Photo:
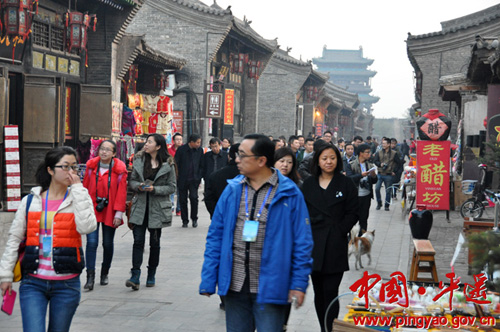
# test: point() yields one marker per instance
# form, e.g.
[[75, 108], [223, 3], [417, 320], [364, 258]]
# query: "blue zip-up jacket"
[[286, 255]]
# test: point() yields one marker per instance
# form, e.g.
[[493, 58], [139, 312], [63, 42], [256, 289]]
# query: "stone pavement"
[[174, 304]]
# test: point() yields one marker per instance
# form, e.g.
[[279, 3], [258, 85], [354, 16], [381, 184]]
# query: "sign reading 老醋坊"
[[433, 174]]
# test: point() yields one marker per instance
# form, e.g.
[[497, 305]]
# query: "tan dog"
[[361, 245]]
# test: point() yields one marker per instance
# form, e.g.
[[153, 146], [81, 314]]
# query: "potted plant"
[[484, 253], [491, 154]]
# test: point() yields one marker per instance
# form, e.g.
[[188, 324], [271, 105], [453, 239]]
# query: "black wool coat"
[[333, 213]]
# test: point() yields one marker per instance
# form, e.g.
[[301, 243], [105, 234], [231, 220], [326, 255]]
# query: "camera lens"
[[99, 207]]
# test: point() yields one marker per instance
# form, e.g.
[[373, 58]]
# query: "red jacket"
[[172, 150], [118, 188]]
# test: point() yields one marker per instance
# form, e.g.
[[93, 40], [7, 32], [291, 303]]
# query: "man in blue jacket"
[[258, 250]]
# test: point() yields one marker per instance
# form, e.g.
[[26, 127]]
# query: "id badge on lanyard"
[[251, 227], [47, 239]]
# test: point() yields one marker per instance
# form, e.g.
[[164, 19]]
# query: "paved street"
[[174, 304]]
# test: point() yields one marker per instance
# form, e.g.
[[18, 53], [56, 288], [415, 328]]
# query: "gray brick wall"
[[179, 35], [278, 88], [109, 23], [446, 54]]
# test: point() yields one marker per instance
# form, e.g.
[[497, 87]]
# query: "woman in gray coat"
[[153, 181]]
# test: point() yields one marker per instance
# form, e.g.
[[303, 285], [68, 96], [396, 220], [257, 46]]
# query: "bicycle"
[[482, 197]]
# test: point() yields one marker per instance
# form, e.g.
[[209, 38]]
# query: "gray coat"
[[160, 206]]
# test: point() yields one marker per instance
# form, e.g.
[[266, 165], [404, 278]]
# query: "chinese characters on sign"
[[395, 290], [229, 107], [178, 117], [433, 174], [213, 105]]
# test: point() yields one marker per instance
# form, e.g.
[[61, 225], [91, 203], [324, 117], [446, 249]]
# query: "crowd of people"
[[281, 211]]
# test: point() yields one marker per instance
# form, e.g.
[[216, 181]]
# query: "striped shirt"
[[247, 255], [45, 268]]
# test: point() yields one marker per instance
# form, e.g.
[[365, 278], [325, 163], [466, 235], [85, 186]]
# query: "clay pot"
[[420, 223], [434, 126]]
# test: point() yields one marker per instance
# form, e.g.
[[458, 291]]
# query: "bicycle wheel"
[[471, 209]]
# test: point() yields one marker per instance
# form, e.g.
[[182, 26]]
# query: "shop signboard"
[[494, 128], [433, 174], [178, 117], [213, 105], [229, 107]]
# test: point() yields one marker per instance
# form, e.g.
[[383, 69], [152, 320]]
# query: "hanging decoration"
[[76, 25], [312, 93], [16, 19], [254, 68]]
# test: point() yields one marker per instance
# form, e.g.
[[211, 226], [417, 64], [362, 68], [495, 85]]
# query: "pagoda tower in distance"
[[349, 69]]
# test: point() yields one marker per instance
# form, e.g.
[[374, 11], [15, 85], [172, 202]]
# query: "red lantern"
[[76, 29], [17, 16], [240, 62]]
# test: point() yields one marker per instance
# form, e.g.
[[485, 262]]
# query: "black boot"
[[150, 281], [134, 280], [104, 276], [90, 280]]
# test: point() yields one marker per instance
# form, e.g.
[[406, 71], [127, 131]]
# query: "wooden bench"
[[423, 261]]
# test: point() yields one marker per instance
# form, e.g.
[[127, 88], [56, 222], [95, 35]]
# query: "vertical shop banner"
[[319, 129], [229, 107], [67, 127], [12, 168], [433, 174], [178, 117], [117, 109]]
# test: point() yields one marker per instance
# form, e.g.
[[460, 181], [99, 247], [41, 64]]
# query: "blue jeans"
[[108, 235], [177, 205], [244, 314], [387, 180], [36, 294]]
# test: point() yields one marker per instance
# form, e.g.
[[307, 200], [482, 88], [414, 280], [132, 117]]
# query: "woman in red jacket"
[[109, 195]]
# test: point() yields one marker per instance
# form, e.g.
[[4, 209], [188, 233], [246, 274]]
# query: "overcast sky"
[[380, 27]]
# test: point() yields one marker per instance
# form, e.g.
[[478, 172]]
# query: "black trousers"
[[364, 211], [139, 232], [189, 189], [326, 288]]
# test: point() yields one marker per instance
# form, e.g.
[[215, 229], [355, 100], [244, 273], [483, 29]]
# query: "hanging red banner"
[[229, 107], [433, 174], [67, 127]]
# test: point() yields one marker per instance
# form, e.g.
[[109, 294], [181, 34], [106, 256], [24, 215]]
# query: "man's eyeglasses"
[[241, 156], [105, 149], [75, 168]]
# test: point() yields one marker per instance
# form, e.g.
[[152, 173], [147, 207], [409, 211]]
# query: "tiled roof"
[[462, 23], [131, 15], [131, 46], [200, 6], [341, 94], [245, 29], [343, 56], [284, 56]]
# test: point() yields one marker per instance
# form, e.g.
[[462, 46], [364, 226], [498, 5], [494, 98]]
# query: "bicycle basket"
[[468, 186]]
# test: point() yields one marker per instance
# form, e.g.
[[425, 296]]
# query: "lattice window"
[[41, 34], [57, 39]]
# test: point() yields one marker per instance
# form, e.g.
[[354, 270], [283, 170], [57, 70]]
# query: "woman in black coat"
[[332, 201]]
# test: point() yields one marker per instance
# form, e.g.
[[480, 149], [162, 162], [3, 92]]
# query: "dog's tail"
[[354, 232]]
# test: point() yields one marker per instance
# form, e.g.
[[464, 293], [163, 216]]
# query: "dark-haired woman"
[[286, 163], [59, 211], [106, 180], [332, 201], [153, 179]]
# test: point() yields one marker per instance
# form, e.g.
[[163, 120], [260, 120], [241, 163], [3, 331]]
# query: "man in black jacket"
[[213, 160], [217, 181], [364, 179], [188, 160]]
